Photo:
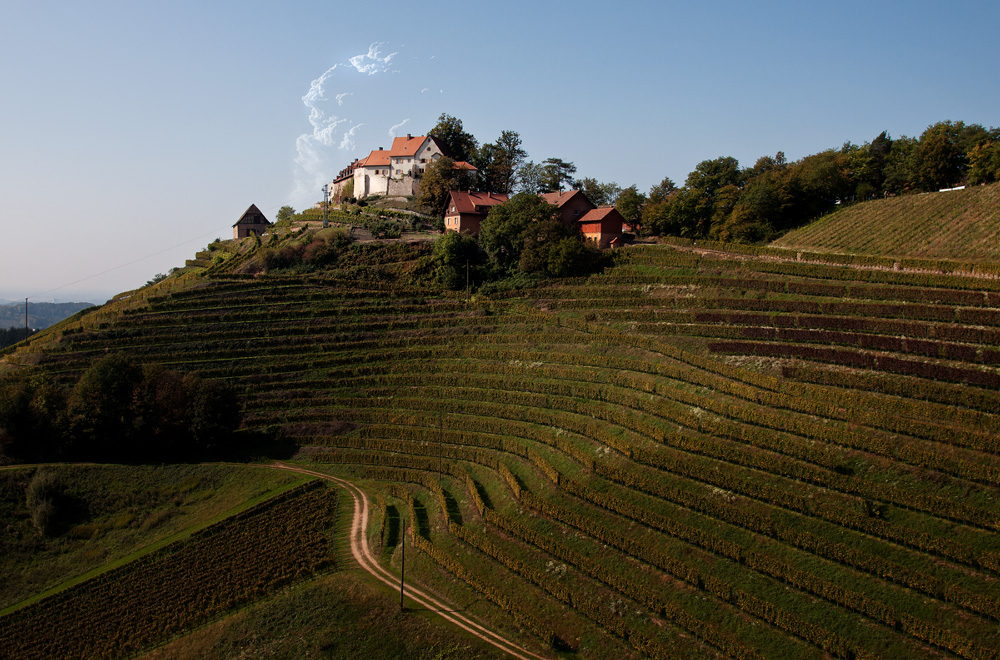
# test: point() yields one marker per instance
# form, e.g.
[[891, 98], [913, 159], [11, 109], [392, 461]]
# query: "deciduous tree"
[[629, 204], [600, 194], [439, 178], [456, 142], [503, 232]]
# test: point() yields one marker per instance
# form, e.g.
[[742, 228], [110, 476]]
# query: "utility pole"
[[326, 204], [402, 563]]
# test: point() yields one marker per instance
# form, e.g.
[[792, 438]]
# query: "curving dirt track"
[[363, 555]]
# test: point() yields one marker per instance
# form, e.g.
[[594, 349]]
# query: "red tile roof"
[[462, 165], [377, 158], [406, 146], [467, 202], [561, 197], [600, 213]]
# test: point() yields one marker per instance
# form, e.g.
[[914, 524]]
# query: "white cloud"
[[425, 90], [314, 162], [347, 144], [392, 131], [372, 62]]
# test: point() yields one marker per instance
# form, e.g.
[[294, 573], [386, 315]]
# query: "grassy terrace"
[[713, 454]]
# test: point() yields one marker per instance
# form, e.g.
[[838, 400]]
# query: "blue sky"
[[134, 133]]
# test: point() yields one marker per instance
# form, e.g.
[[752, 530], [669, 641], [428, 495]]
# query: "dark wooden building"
[[251, 222]]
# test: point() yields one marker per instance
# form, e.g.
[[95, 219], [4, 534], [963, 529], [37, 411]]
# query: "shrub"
[[45, 498]]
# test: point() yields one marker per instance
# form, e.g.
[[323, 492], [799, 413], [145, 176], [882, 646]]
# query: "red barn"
[[603, 225]]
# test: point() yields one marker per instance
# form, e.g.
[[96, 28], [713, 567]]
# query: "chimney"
[[409, 137], [380, 148]]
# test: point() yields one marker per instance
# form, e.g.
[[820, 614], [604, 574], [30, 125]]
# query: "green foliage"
[[317, 253], [118, 411], [498, 163], [600, 194], [453, 254], [439, 178], [455, 141], [721, 201], [529, 178], [570, 256], [10, 336], [46, 502], [104, 409], [984, 163], [539, 239], [557, 174], [630, 203], [503, 233], [662, 191]]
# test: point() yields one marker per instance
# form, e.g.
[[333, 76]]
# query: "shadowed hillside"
[[696, 453]]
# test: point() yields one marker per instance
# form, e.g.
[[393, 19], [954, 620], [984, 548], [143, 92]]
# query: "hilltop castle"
[[393, 173]]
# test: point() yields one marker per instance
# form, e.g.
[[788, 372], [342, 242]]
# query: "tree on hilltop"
[[457, 144], [557, 173], [499, 163]]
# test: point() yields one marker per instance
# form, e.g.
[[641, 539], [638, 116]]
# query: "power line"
[[134, 261]]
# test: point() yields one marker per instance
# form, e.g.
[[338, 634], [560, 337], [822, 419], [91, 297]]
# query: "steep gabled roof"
[[462, 165], [469, 202], [601, 213], [410, 145], [377, 158], [560, 198], [252, 216], [406, 146]]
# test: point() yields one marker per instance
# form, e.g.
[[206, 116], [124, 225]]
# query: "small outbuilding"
[[603, 226], [251, 222]]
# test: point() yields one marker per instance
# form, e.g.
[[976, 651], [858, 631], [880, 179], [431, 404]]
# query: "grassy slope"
[[115, 512], [338, 616], [561, 460], [960, 224]]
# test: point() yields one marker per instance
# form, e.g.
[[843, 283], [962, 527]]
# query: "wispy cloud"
[[327, 131], [347, 143], [373, 61], [392, 131]]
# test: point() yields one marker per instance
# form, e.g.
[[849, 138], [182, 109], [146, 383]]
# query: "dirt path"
[[363, 555]]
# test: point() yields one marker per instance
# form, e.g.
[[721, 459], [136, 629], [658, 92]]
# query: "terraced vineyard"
[[962, 224], [711, 454]]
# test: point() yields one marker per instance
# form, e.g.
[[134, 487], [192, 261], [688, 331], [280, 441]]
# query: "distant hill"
[[40, 315], [958, 224]]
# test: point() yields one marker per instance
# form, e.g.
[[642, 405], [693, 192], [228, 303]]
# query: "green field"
[[698, 453], [114, 513]]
